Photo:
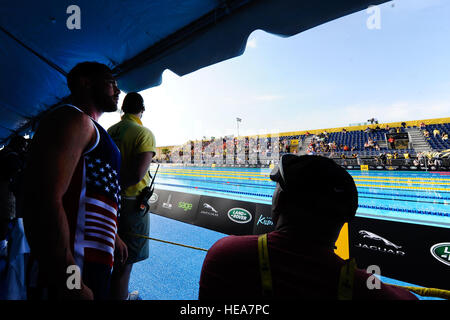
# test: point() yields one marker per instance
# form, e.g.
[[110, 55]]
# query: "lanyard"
[[264, 265], [346, 279]]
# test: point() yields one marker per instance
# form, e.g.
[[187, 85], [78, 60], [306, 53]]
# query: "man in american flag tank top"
[[72, 193]]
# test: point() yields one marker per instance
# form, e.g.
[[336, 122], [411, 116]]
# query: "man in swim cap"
[[312, 200]]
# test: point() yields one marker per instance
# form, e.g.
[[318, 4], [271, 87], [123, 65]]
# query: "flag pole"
[[237, 123]]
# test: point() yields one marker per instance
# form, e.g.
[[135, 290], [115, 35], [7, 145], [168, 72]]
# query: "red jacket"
[[299, 270]]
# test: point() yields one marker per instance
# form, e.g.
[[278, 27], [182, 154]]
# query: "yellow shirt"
[[132, 138]]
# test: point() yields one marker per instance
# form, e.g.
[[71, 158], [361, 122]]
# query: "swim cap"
[[318, 183]]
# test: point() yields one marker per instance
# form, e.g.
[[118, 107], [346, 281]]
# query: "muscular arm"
[[56, 150]]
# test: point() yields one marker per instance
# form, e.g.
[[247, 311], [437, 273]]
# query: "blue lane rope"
[[399, 190], [405, 195], [405, 200], [273, 187], [443, 214], [262, 185], [220, 190]]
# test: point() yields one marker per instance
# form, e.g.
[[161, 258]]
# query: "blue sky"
[[338, 73]]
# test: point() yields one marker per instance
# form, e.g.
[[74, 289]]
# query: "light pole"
[[237, 123]]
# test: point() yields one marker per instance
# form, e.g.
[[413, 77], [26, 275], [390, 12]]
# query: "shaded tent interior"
[[137, 39]]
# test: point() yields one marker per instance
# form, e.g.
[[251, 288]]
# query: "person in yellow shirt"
[[389, 158], [137, 146], [407, 157], [436, 132]]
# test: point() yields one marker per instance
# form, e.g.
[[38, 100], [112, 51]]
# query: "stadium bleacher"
[[436, 142], [266, 149]]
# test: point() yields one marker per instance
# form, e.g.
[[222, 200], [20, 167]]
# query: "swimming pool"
[[414, 197], [172, 272]]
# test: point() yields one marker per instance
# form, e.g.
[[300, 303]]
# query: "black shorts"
[[95, 276], [98, 278]]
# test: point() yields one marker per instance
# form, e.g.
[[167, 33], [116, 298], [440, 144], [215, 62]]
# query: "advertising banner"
[[412, 253], [263, 221], [174, 205], [225, 215]]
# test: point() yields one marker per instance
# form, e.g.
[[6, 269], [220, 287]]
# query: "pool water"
[[414, 197]]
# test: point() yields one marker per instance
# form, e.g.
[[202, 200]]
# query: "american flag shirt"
[[92, 202]]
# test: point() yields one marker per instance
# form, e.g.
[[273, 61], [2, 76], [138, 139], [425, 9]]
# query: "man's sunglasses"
[[278, 173]]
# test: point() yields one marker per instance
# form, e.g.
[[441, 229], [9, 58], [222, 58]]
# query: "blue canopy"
[[42, 40]]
